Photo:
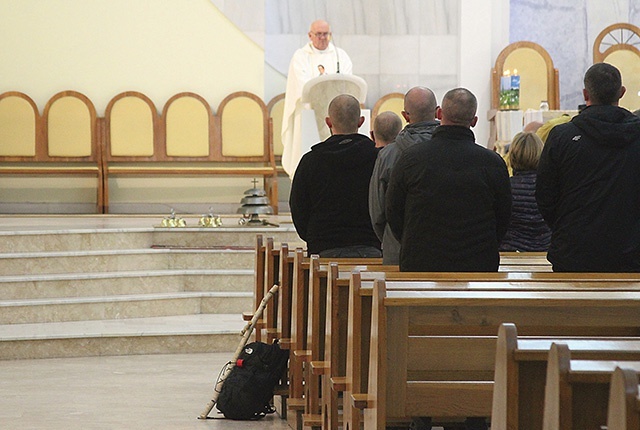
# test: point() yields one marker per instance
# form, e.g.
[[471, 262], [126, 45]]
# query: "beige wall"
[[104, 47]]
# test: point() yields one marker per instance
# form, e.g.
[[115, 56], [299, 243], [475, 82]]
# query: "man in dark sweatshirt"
[[588, 187], [329, 193]]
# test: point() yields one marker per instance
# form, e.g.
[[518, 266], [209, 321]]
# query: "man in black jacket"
[[588, 187], [449, 199], [329, 193]]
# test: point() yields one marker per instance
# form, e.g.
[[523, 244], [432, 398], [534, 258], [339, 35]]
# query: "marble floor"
[[120, 392]]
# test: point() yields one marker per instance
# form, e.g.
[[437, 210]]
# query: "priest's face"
[[320, 34]]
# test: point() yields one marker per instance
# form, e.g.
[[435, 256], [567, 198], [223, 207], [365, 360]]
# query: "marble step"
[[132, 336], [32, 263], [121, 307], [125, 282], [138, 238]]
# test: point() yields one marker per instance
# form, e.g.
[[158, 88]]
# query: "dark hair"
[[460, 106], [603, 83]]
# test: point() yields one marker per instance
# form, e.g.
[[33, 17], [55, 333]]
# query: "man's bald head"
[[459, 107], [344, 115], [386, 127], [419, 105]]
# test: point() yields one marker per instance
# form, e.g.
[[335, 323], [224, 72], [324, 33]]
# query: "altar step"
[[131, 336], [91, 284], [32, 263], [103, 290], [123, 306]]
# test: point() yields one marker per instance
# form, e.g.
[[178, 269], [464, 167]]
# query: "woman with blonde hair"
[[527, 229]]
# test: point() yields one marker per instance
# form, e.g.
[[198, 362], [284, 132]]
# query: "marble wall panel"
[[395, 56], [438, 55], [634, 12], [364, 52], [439, 17], [439, 84], [561, 28]]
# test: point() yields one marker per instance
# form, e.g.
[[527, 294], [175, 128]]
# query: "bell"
[[173, 221], [254, 203], [210, 220]]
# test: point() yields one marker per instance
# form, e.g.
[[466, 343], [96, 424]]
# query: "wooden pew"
[[308, 293], [258, 286], [405, 325], [577, 391], [624, 401], [359, 298], [521, 367]]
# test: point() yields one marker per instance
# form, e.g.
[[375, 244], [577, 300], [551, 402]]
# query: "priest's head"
[[320, 34]]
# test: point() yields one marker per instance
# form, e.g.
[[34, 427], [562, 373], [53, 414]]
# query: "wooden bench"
[[187, 140], [521, 371], [409, 327], [308, 298], [359, 305], [577, 391], [63, 142], [624, 400]]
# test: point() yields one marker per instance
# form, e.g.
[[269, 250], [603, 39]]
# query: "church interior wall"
[[215, 47]]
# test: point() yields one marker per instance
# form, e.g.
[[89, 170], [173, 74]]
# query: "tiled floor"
[[123, 392]]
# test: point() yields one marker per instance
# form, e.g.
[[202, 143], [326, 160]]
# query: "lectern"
[[311, 111]]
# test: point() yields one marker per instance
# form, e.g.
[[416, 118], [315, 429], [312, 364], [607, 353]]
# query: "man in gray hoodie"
[[419, 111]]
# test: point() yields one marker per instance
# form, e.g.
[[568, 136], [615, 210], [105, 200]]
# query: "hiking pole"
[[245, 333]]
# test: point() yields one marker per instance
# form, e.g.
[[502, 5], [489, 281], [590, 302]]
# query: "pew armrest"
[[361, 401], [319, 367], [339, 383]]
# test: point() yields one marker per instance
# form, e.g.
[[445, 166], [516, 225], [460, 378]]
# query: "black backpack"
[[247, 391]]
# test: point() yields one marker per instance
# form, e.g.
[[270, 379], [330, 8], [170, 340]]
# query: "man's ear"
[[360, 121], [474, 121], [585, 94], [439, 113], [405, 116], [327, 121], [622, 91]]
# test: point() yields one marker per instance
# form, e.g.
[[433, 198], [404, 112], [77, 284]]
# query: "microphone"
[[337, 56]]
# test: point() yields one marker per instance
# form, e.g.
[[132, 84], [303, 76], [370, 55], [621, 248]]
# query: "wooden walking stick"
[[245, 333]]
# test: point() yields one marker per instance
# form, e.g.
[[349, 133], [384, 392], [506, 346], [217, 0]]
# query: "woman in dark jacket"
[[527, 229]]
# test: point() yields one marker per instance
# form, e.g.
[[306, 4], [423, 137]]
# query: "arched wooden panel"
[[619, 45], [276, 112], [131, 123], [187, 122], [70, 124], [244, 127], [536, 70], [393, 102], [19, 121]]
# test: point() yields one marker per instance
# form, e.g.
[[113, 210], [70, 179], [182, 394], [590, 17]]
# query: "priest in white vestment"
[[318, 57]]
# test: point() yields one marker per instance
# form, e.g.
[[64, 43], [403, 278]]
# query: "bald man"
[[318, 57], [328, 197], [386, 127], [449, 201], [420, 113]]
